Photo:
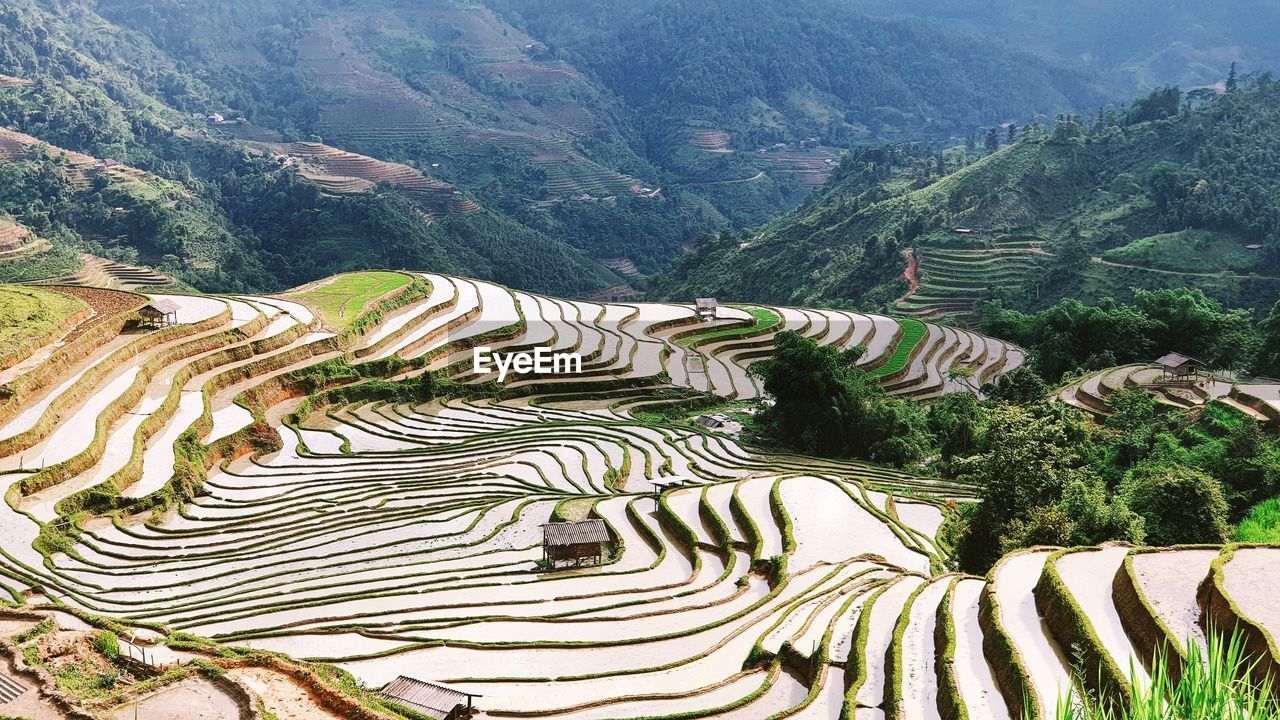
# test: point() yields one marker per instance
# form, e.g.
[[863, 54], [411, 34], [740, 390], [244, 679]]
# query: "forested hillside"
[[760, 97], [1176, 189], [575, 148], [194, 198], [1136, 44]]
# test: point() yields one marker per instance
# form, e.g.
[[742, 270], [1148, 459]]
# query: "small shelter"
[[428, 698], [706, 307], [161, 313], [710, 422], [575, 541], [1177, 366]]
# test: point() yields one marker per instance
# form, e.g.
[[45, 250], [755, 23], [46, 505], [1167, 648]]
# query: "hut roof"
[[575, 533], [433, 700], [705, 303], [163, 307], [1175, 360], [10, 689]]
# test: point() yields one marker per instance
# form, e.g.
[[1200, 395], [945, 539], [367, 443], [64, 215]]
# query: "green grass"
[[1192, 251], [1212, 686], [764, 318], [29, 316], [341, 299], [913, 332], [1262, 524]]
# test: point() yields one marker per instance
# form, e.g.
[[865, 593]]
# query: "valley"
[[321, 483], [646, 359]]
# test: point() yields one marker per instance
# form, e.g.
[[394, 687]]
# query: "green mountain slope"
[[1137, 44], [146, 181], [1170, 192], [763, 92]]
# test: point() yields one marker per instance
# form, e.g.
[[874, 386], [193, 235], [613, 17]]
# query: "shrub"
[[1178, 504], [107, 643], [1045, 525]]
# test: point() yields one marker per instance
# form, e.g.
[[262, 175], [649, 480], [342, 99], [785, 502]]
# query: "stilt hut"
[[576, 542], [428, 698], [161, 313], [1179, 368]]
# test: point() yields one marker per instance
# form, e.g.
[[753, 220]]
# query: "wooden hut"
[[707, 308], [1179, 367], [584, 540], [161, 313], [428, 698]]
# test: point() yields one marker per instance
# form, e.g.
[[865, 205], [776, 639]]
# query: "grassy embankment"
[[31, 318], [340, 300]]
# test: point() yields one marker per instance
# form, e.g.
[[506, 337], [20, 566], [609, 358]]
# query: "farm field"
[[952, 282], [1256, 399], [341, 299], [32, 318], [289, 502]]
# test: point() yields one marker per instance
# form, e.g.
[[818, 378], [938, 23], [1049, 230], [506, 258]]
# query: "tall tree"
[[993, 141]]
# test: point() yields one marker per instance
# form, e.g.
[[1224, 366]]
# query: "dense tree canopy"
[[1072, 335], [827, 406]]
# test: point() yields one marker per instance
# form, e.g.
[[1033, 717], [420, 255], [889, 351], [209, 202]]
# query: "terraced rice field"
[[1257, 400], [341, 172], [343, 298], [18, 242], [250, 477], [97, 272], [31, 318], [952, 281], [14, 144]]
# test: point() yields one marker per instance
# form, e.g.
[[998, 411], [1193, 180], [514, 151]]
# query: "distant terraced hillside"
[[268, 488], [374, 106], [18, 242], [1086, 210], [340, 172], [1259, 399], [104, 273], [953, 281], [15, 145]]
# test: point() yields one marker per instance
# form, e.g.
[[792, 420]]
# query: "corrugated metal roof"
[[1173, 360], [434, 700], [573, 533], [10, 689]]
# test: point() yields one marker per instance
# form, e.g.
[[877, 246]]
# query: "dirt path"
[[911, 274], [280, 695], [1219, 274], [757, 176]]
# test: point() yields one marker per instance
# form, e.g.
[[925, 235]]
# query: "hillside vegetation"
[[30, 318], [543, 128], [1137, 44], [1169, 191], [107, 158]]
